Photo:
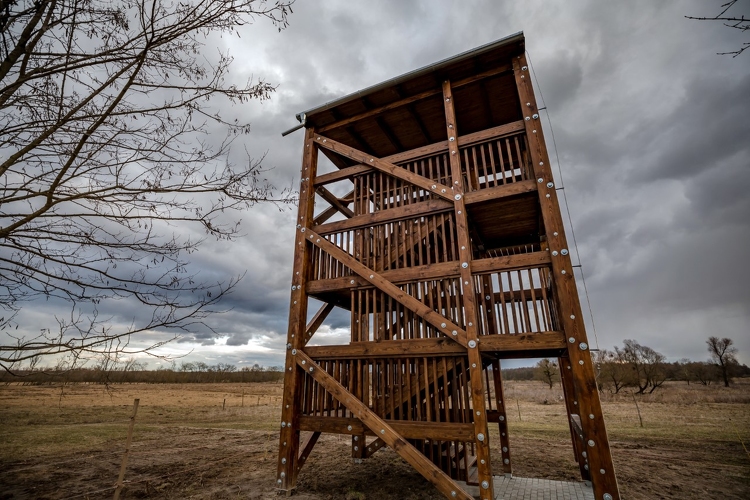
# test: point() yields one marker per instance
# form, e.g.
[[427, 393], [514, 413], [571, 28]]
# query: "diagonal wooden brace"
[[386, 167], [438, 321], [384, 431]]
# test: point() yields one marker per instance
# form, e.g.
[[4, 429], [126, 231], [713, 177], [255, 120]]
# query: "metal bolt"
[[311, 368], [453, 493], [554, 253], [348, 427], [564, 251], [591, 442], [471, 324], [434, 186], [283, 460], [607, 496], [478, 413], [522, 77], [602, 471], [523, 69], [283, 474], [572, 340], [547, 195], [506, 461], [533, 131], [442, 190], [464, 265], [382, 431], [550, 184], [591, 416], [454, 332], [580, 362], [535, 116], [443, 325], [356, 438], [586, 466], [485, 484], [472, 344], [501, 418], [302, 230], [457, 197], [527, 118], [563, 272], [473, 365], [294, 352], [583, 346], [480, 437], [505, 449], [572, 316], [356, 448], [352, 282], [452, 139], [540, 180], [303, 361], [372, 276], [279, 481], [541, 163]]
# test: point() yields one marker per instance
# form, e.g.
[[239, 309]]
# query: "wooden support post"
[[289, 436], [476, 379], [124, 463], [502, 418], [566, 295], [571, 404]]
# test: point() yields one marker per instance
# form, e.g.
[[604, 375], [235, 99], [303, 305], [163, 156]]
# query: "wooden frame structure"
[[449, 253]]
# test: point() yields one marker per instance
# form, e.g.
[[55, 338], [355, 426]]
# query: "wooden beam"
[[376, 445], [438, 321], [443, 431], [330, 211], [317, 320], [306, 450], [434, 271], [414, 98], [289, 436], [386, 216], [333, 201], [440, 346], [382, 429], [385, 167], [476, 380], [502, 419], [501, 191], [344, 173]]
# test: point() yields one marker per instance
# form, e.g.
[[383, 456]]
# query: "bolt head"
[[464, 265], [591, 442], [480, 437], [607, 496], [572, 340], [583, 346], [485, 484], [472, 344], [550, 184]]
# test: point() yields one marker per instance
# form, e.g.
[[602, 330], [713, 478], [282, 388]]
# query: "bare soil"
[[208, 441]]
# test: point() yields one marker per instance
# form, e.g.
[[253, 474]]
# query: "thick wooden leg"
[[574, 417], [502, 418]]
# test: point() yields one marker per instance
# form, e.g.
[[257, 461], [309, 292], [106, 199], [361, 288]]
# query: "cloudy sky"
[[651, 129]]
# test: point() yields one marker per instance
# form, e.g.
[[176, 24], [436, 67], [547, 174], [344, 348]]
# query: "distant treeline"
[[613, 374], [134, 373]]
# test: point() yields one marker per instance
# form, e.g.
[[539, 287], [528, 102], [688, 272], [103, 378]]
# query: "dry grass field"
[[208, 441]]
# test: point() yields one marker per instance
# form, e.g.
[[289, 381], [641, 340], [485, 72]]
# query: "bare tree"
[[647, 365], [615, 372], [723, 354], [547, 371], [739, 23], [105, 114]]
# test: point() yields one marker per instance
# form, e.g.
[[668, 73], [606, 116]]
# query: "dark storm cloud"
[[651, 129]]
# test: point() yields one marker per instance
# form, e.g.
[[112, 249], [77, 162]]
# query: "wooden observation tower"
[[438, 229]]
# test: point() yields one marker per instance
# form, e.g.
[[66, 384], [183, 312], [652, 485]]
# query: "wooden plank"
[[482, 448], [439, 322], [333, 201], [388, 168], [501, 191], [291, 404], [510, 262], [386, 216], [576, 432], [411, 99], [382, 429], [566, 294], [317, 320]]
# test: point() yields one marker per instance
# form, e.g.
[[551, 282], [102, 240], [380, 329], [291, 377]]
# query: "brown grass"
[[58, 444]]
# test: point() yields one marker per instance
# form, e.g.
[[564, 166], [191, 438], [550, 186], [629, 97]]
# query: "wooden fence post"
[[124, 463]]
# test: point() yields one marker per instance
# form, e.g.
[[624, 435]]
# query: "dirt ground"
[[219, 441]]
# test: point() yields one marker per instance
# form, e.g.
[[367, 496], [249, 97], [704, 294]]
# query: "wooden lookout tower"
[[437, 227]]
